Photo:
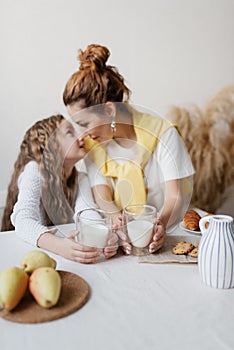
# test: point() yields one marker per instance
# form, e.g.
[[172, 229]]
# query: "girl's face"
[[72, 149], [90, 123]]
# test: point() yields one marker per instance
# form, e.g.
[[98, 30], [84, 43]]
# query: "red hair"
[[95, 82]]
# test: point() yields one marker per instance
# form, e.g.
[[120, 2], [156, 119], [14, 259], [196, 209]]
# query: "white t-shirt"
[[169, 161], [27, 216]]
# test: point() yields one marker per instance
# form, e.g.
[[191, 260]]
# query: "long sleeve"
[[27, 214]]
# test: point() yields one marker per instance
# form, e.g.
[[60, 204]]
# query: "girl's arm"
[[68, 247], [28, 221], [27, 215]]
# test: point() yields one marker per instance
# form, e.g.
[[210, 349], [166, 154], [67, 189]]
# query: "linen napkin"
[[165, 255]]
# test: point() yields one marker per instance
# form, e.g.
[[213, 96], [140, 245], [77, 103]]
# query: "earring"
[[113, 125]]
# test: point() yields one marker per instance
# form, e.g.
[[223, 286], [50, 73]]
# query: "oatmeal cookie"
[[182, 248]]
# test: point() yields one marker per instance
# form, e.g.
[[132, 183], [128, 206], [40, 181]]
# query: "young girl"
[[46, 190], [134, 158]]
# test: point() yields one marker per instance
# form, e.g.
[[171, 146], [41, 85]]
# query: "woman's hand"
[[126, 246], [112, 245], [123, 237], [158, 237]]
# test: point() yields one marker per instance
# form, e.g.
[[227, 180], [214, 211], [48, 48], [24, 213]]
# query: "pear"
[[53, 263], [13, 285], [34, 259], [45, 286]]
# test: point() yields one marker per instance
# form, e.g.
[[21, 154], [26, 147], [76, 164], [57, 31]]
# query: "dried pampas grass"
[[209, 138]]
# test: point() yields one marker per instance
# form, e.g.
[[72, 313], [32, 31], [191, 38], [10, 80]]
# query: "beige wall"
[[170, 52]]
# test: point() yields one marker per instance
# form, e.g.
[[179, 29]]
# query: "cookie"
[[182, 248], [194, 252]]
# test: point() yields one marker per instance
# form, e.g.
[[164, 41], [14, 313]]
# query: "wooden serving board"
[[74, 294]]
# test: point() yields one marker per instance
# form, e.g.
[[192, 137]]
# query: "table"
[[132, 306]]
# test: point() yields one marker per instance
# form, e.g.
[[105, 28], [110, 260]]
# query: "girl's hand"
[[158, 237], [112, 248], [72, 250]]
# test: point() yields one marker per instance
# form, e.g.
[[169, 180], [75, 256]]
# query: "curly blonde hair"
[[58, 193]]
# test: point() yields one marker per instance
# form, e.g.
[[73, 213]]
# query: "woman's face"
[[72, 149], [90, 123]]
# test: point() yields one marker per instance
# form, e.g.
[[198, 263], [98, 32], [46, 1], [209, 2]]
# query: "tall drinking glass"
[[139, 222], [94, 226]]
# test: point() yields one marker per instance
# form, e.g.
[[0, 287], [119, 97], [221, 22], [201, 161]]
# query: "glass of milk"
[[94, 226], [139, 222]]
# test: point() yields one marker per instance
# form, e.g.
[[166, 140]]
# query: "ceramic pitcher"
[[216, 251]]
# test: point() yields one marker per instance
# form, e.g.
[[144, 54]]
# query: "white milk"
[[93, 235], [140, 232]]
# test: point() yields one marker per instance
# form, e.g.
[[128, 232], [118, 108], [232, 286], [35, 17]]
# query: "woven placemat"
[[74, 294]]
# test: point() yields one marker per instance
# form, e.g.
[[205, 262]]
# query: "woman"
[[133, 157], [46, 189]]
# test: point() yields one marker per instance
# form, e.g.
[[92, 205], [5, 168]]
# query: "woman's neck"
[[125, 132]]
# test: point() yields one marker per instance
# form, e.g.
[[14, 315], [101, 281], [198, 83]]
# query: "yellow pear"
[[53, 263], [34, 259], [45, 286], [13, 285]]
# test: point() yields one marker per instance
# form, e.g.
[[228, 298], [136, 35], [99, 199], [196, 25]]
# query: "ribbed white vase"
[[216, 251]]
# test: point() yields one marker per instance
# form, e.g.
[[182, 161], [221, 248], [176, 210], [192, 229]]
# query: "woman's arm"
[[168, 215], [101, 190], [103, 198], [85, 200], [84, 197], [177, 171], [173, 201]]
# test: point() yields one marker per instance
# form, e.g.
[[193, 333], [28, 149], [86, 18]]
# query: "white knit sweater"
[[27, 216]]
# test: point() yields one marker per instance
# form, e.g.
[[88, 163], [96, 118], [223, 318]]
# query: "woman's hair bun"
[[94, 57]]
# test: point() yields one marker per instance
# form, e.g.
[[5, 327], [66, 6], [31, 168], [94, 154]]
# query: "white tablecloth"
[[132, 306]]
